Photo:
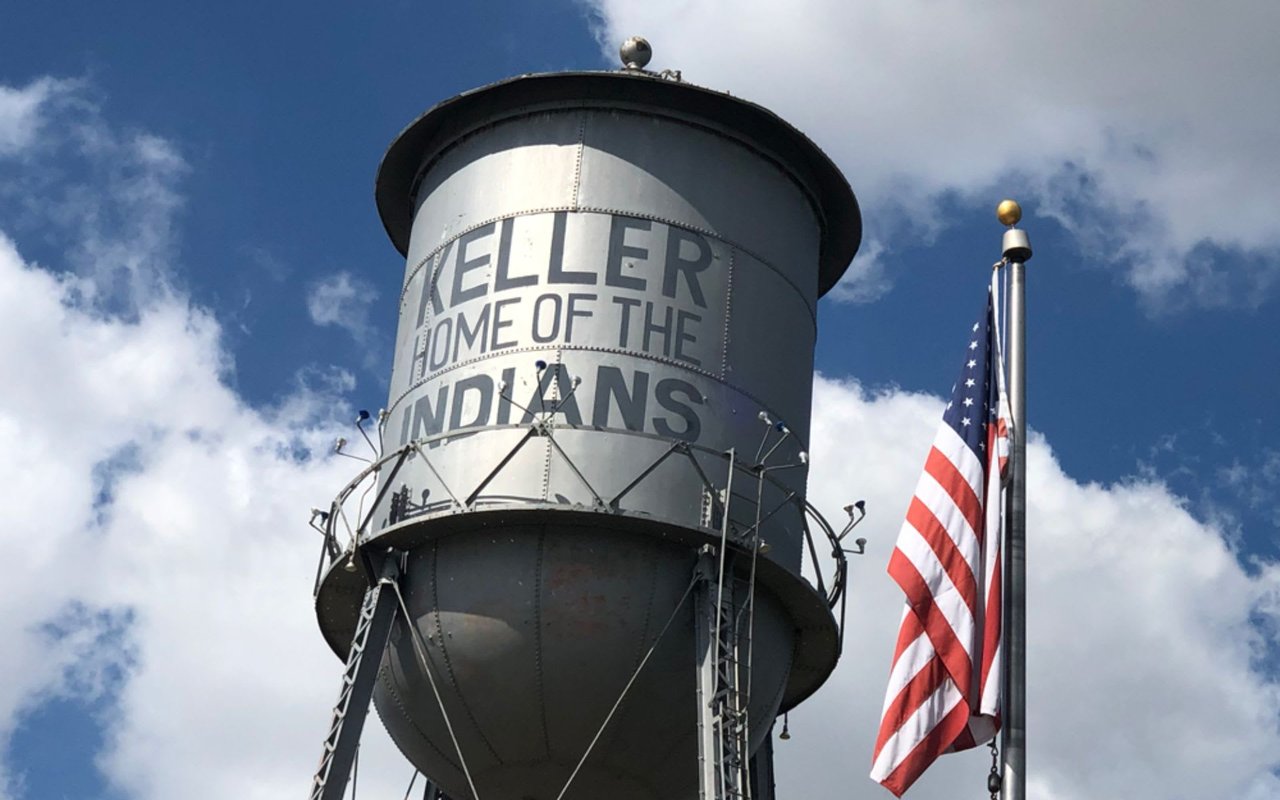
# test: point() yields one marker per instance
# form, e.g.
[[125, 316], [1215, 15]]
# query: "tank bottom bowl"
[[532, 633]]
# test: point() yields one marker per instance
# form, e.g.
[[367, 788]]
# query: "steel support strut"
[[367, 645]]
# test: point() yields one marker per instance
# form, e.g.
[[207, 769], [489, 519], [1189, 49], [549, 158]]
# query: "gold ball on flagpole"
[[1008, 212]]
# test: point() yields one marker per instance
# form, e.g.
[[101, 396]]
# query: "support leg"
[[762, 785], [372, 631]]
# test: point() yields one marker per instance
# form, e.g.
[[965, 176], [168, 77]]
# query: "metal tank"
[[602, 380]]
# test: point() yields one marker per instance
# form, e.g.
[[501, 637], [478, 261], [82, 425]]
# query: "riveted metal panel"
[[513, 167], [711, 183], [770, 341], [530, 659]]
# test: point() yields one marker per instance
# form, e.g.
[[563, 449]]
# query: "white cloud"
[[344, 300], [201, 541], [158, 520], [1144, 677], [1149, 135]]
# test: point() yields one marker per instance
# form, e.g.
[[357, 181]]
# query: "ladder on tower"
[[373, 629], [724, 626]]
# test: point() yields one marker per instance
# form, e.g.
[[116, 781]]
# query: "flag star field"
[[197, 297]]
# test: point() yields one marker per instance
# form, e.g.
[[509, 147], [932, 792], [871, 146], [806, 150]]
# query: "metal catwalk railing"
[[348, 522]]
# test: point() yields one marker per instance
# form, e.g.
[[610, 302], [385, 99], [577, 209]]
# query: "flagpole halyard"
[[1013, 728]]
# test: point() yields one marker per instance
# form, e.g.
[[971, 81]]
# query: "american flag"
[[944, 686]]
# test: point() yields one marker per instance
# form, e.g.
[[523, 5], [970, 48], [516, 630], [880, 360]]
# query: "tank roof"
[[833, 200]]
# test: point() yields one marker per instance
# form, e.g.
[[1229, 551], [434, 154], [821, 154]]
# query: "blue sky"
[[199, 282]]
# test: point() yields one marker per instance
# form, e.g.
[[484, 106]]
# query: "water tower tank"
[[609, 303]]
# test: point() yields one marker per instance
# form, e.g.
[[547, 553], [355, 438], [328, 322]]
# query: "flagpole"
[[1013, 735]]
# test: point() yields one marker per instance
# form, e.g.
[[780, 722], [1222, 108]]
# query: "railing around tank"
[[344, 528]]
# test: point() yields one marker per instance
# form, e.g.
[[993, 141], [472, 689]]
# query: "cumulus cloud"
[[158, 519], [189, 554], [1148, 135], [1147, 674]]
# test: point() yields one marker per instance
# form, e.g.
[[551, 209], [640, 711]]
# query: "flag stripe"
[[936, 626], [956, 489], [913, 652], [932, 692], [951, 586], [923, 683], [958, 565], [968, 463], [930, 746], [991, 633]]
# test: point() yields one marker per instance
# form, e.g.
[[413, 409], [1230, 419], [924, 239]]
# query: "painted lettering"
[[624, 330], [619, 249], [502, 279], [575, 312], [652, 328], [465, 265], [555, 266], [430, 291], [499, 323], [619, 399], [440, 336], [546, 323], [476, 392], [504, 404], [472, 335], [665, 393], [612, 389], [422, 419], [676, 264], [684, 336]]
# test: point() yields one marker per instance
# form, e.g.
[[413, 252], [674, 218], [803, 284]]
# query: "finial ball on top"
[[1008, 212], [635, 52]]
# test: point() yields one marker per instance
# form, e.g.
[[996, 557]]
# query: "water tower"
[[574, 568]]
